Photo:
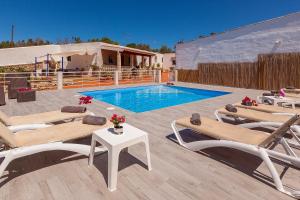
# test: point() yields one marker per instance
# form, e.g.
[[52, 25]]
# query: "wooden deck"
[[177, 173]]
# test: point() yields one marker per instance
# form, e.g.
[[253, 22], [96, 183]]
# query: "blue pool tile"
[[147, 98]]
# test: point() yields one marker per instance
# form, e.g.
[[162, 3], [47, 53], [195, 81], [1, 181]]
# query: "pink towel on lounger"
[[281, 93]]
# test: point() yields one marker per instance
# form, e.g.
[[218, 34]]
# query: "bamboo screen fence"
[[271, 71]]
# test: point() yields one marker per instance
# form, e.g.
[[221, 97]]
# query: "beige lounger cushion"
[[295, 91], [278, 133], [256, 115], [7, 136], [62, 132], [293, 96], [269, 108], [5, 119], [41, 118], [223, 131]]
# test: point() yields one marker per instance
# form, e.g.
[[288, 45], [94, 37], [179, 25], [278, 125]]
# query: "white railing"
[[87, 79], [82, 79]]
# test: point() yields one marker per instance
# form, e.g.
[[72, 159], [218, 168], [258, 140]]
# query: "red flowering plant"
[[85, 100], [117, 120], [24, 89], [248, 102]]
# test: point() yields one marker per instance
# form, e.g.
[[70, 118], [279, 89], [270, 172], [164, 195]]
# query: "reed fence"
[[271, 71]]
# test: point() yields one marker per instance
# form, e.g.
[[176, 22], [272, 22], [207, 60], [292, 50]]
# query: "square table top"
[[129, 133]]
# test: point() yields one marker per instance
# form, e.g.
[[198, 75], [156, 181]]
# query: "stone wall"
[[19, 68]]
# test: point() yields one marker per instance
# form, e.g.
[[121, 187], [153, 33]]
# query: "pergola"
[[59, 57], [98, 56]]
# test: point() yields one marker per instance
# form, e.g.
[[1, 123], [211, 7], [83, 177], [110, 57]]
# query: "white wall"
[[25, 55], [79, 61], [168, 60], [158, 59], [243, 44]]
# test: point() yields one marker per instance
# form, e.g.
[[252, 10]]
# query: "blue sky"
[[154, 22]]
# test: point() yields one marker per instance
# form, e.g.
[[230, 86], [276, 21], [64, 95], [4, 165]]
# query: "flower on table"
[[117, 120]]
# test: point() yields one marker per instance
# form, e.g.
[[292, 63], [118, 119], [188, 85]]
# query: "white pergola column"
[[99, 58], [158, 75], [60, 81], [132, 60], [176, 75], [143, 61], [119, 65], [119, 61], [150, 61], [116, 77]]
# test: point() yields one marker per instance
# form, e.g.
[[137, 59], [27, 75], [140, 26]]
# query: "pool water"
[[147, 98]]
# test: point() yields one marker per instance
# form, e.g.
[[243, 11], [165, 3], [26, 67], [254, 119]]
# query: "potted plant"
[[117, 120], [85, 100]]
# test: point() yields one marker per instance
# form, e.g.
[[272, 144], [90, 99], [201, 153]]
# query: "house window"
[[110, 60], [173, 62], [155, 58], [69, 58]]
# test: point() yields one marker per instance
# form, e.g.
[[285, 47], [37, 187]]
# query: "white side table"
[[115, 143]]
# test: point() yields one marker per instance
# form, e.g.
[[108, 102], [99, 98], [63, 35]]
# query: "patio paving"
[[177, 172]]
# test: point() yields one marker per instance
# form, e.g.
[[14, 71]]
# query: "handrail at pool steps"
[[41, 80]]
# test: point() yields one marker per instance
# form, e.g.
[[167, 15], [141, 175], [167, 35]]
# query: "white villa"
[[169, 61], [242, 44], [80, 56]]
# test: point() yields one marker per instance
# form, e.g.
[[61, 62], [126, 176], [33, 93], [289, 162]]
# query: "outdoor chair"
[[26, 95], [15, 84], [52, 138], [256, 118], [254, 142], [292, 95], [270, 109], [2, 96], [292, 91], [287, 101], [38, 120]]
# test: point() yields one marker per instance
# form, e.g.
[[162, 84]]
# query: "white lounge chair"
[[260, 119], [292, 91], [38, 120], [283, 101], [251, 141], [270, 109], [28, 142]]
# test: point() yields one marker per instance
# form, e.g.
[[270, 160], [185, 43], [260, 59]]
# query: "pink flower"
[[85, 100], [24, 89], [116, 120]]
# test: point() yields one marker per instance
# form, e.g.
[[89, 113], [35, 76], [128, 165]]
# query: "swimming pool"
[[146, 98]]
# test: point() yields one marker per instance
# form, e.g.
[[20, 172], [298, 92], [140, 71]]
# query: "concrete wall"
[[168, 60], [25, 55], [79, 62], [157, 60], [243, 44]]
